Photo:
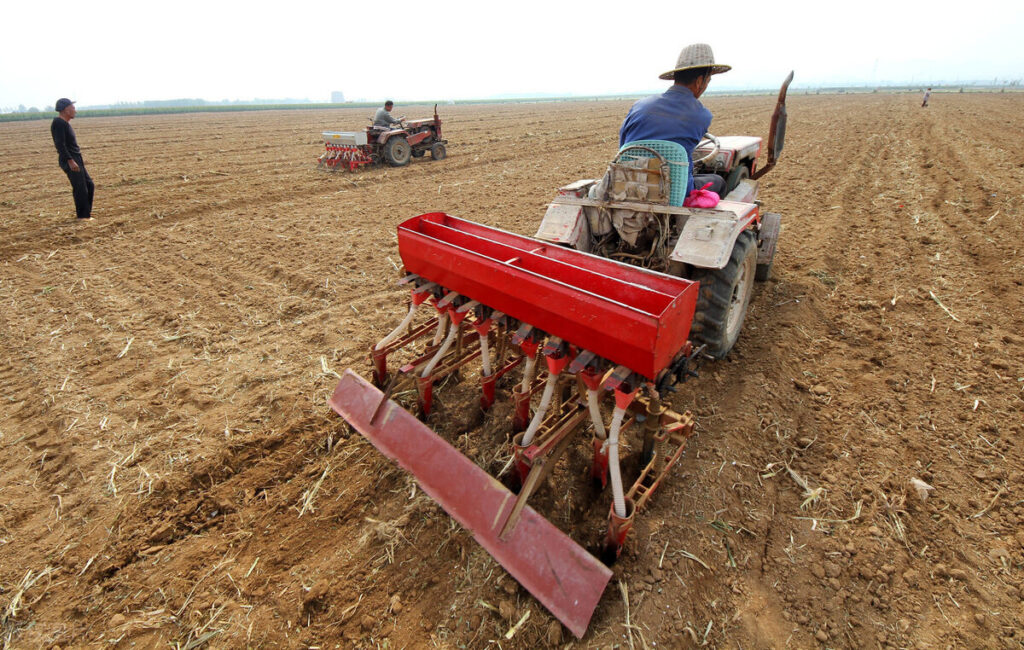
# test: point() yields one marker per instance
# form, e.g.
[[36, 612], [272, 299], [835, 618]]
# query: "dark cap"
[[63, 103]]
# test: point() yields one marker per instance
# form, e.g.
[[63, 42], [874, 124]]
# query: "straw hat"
[[698, 55]]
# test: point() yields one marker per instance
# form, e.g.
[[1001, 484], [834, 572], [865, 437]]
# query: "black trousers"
[[82, 188], [717, 182]]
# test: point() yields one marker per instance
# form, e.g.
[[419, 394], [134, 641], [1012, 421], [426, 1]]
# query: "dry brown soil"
[[165, 370]]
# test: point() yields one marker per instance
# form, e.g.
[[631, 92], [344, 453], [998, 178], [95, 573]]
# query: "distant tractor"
[[375, 146]]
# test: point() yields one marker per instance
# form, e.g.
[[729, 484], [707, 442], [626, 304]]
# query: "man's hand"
[[74, 166]]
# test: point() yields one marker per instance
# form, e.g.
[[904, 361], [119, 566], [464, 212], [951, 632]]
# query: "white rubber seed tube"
[[531, 363], [485, 355], [442, 322], [452, 335], [542, 409], [618, 497], [398, 330], [595, 413]]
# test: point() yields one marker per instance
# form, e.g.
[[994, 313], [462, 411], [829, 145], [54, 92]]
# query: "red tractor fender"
[[417, 138], [708, 236], [387, 135]]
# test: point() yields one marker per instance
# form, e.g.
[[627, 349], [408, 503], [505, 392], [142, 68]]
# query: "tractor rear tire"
[[438, 151], [397, 151], [770, 224], [724, 296], [738, 174]]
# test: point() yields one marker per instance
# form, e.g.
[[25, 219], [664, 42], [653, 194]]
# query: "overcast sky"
[[106, 51]]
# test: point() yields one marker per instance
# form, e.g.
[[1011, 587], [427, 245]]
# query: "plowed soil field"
[[170, 472]]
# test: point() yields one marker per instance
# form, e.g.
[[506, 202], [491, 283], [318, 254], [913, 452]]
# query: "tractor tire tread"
[[397, 151], [714, 300]]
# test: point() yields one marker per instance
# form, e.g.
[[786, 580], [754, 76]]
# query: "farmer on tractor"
[[677, 114], [382, 118]]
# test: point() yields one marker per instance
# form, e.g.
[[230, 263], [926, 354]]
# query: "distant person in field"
[[382, 118], [677, 114], [69, 157], [927, 94]]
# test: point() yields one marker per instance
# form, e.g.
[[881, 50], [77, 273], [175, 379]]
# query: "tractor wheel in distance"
[[767, 241], [437, 151], [397, 151], [724, 297], [418, 153], [740, 173]]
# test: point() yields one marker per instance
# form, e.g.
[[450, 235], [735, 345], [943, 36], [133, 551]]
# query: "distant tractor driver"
[[382, 118], [677, 114]]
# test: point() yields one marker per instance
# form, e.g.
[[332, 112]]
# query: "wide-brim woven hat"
[[698, 55]]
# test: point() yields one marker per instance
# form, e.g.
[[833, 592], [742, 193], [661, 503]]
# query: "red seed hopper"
[[484, 303]]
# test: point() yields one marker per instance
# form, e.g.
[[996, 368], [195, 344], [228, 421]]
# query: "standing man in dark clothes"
[[70, 157]]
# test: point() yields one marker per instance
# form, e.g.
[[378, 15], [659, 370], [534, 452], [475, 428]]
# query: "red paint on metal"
[[557, 364], [619, 527], [529, 347], [416, 138], [566, 579], [425, 393], [380, 366], [591, 378], [521, 409], [522, 461], [628, 315], [624, 398], [487, 399]]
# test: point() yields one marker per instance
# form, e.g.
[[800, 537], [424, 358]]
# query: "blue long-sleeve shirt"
[[675, 115]]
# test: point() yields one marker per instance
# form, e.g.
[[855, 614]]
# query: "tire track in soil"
[[913, 456], [822, 314]]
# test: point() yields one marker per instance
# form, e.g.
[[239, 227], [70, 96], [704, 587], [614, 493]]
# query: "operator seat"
[[673, 153]]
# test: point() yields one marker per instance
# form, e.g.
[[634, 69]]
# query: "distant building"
[[337, 97]]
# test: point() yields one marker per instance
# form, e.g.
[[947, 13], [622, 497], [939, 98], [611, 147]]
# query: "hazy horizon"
[[112, 52]]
